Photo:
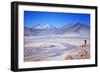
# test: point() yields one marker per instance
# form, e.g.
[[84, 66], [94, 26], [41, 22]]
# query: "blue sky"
[[54, 18]]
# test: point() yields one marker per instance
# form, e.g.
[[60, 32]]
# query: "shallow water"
[[51, 51], [56, 51]]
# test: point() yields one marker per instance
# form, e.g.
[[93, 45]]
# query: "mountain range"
[[48, 29]]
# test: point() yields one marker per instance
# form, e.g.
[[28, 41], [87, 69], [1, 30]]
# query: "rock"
[[83, 53], [68, 57]]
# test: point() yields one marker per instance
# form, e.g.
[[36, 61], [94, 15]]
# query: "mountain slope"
[[76, 29], [43, 26]]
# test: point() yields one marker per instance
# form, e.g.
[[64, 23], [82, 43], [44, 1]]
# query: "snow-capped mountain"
[[76, 29], [43, 26], [40, 29]]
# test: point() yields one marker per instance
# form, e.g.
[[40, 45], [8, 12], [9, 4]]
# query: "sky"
[[32, 18]]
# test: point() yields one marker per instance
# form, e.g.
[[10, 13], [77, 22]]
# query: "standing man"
[[85, 42]]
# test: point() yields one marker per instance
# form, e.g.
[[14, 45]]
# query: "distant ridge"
[[77, 29]]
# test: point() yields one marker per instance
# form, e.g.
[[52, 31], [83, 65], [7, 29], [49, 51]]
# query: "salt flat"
[[46, 48]]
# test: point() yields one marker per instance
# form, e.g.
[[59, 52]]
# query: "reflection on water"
[[54, 51]]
